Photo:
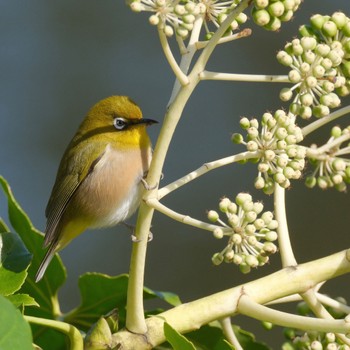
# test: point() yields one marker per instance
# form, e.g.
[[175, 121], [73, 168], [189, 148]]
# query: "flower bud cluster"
[[250, 231], [172, 16], [280, 158], [332, 169], [270, 14], [320, 66], [312, 340], [178, 17], [217, 11]]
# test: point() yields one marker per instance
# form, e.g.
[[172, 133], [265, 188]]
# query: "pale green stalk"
[[257, 78], [75, 337], [135, 321], [288, 281]]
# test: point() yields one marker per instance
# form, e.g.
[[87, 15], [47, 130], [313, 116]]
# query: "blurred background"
[[58, 58]]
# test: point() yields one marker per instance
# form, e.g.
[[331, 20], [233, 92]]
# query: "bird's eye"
[[120, 123]]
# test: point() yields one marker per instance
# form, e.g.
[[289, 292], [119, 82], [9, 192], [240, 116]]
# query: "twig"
[[284, 243], [229, 333], [75, 338], [258, 78]]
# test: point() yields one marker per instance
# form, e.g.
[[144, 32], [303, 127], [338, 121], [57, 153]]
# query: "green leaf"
[[3, 226], [177, 340], [44, 292], [171, 298], [19, 300], [14, 330], [99, 295], [14, 262]]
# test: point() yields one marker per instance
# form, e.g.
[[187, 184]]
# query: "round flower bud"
[[318, 71], [271, 236], [305, 112], [311, 82], [287, 16], [337, 179], [306, 99], [168, 31], [281, 133], [244, 123], [243, 197], [217, 259], [218, 233], [250, 216], [316, 345], [335, 57], [267, 136], [286, 94], [309, 57], [269, 248], [281, 145], [237, 138], [258, 207], [136, 6], [247, 206], [269, 155], [244, 268], [260, 4], [252, 146], [229, 255], [279, 178], [237, 259], [233, 220], [322, 182], [261, 17], [272, 225], [339, 19], [213, 215], [305, 68], [259, 183], [310, 181], [251, 261], [294, 76], [308, 43], [317, 21], [276, 9], [259, 223], [346, 29], [284, 58], [329, 28], [250, 229], [263, 167], [223, 205], [321, 111], [269, 187], [182, 32], [154, 20], [322, 50], [232, 208]]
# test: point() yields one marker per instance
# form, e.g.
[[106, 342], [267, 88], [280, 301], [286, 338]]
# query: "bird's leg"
[[145, 183], [132, 229]]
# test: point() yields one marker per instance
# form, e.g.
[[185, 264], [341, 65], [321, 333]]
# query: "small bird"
[[99, 179]]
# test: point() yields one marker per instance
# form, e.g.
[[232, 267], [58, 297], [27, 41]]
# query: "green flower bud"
[[284, 58], [261, 4], [269, 248], [259, 183], [272, 225], [287, 16], [271, 236], [243, 197], [237, 259], [258, 207], [322, 182], [329, 28], [269, 155], [252, 146], [318, 71], [316, 345], [279, 178], [345, 67], [306, 99], [336, 131], [213, 215], [286, 94], [217, 259], [180, 10], [250, 216], [182, 32], [310, 181], [244, 123], [346, 29], [229, 255], [281, 133], [339, 19], [241, 18], [250, 229], [308, 43], [223, 204], [305, 112], [244, 268], [168, 31], [321, 111], [274, 24], [311, 82], [306, 30], [237, 138], [233, 220], [294, 76], [317, 21], [247, 205], [154, 20], [322, 50], [276, 9], [269, 187], [261, 17], [267, 216], [263, 167], [252, 261], [218, 233], [232, 208]]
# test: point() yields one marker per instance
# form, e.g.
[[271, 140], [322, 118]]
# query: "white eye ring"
[[120, 123]]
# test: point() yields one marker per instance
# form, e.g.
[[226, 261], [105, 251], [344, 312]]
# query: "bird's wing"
[[71, 173]]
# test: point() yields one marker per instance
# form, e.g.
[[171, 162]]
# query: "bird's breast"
[[111, 192]]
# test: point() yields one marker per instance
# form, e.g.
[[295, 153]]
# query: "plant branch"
[[323, 121], [288, 281], [249, 307], [258, 78], [230, 335], [205, 168], [284, 243], [242, 34], [75, 338], [182, 78]]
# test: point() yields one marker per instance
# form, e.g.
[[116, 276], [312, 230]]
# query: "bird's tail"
[[46, 261]]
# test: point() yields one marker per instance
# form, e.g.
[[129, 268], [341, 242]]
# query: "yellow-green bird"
[[98, 182]]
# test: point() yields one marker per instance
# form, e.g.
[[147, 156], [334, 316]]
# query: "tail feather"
[[45, 262]]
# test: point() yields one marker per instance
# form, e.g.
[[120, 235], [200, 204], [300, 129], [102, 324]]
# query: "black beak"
[[145, 121]]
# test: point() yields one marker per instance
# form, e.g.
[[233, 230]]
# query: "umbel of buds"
[[178, 17], [249, 230], [320, 66], [280, 158], [332, 169], [270, 14]]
